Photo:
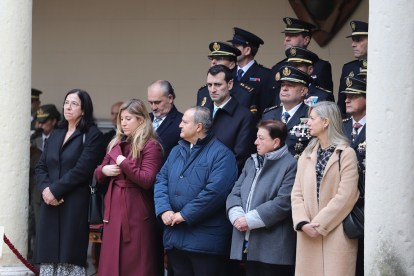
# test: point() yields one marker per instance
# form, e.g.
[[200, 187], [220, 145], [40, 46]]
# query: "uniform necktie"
[[156, 123], [355, 132], [215, 110], [239, 74], [285, 117], [44, 143]]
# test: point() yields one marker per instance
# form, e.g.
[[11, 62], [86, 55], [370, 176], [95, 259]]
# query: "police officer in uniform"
[[35, 104], [303, 59], [297, 34], [249, 72], [293, 111], [363, 64], [225, 54], [354, 129], [360, 48], [221, 54]]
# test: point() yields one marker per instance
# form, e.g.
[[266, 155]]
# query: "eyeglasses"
[[218, 58], [72, 104]]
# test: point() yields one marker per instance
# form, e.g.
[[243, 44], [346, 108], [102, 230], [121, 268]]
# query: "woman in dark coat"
[[131, 164], [66, 166], [259, 206]]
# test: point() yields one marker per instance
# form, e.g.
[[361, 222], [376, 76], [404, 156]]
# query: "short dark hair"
[[253, 49], [216, 69], [165, 86], [276, 129], [87, 120]]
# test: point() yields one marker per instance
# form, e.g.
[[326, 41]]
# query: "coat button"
[[176, 195], [181, 176]]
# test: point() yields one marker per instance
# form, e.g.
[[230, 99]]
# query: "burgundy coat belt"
[[123, 184]]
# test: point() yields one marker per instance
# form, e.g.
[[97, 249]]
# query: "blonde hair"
[[335, 134], [141, 134]]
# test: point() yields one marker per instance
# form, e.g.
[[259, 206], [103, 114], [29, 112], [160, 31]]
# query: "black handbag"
[[354, 223], [96, 205]]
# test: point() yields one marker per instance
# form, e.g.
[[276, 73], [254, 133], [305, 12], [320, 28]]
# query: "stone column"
[[389, 215], [15, 84]]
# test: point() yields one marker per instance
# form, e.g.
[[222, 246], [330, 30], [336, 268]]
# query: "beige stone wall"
[[114, 49]]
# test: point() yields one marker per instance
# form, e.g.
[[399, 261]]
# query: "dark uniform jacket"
[[359, 145], [169, 132], [320, 93], [63, 231], [298, 135], [33, 122], [351, 69], [322, 77], [107, 138], [235, 126], [254, 80]]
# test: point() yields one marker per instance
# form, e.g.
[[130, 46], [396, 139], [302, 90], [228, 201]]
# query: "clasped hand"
[[49, 198], [310, 230], [171, 218], [113, 170], [241, 224]]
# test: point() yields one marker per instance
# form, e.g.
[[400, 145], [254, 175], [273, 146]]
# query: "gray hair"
[[165, 86], [202, 115], [336, 136]]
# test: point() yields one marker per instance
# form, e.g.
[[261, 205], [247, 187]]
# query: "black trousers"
[[254, 268], [360, 258], [186, 263]]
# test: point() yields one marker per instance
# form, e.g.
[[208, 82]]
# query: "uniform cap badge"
[[348, 82], [286, 71], [351, 74], [365, 63], [293, 51], [288, 21], [353, 25], [39, 111], [277, 76], [216, 47]]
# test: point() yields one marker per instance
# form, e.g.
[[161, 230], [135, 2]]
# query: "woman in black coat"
[[69, 159]]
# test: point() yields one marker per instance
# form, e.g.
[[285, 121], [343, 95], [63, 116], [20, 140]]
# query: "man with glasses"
[[225, 54]]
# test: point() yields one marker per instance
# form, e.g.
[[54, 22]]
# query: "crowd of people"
[[255, 179]]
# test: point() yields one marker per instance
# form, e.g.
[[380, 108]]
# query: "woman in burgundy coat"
[[131, 164]]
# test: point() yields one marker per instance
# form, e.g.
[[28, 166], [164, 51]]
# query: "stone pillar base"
[[15, 271]]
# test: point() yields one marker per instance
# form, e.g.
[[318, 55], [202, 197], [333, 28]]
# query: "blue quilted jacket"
[[197, 185]]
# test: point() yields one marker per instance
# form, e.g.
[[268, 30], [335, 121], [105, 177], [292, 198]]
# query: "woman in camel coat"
[[323, 196]]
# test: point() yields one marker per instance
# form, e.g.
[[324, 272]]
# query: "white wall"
[[115, 49]]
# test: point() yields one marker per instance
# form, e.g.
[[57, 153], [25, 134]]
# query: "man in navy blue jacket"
[[190, 195]]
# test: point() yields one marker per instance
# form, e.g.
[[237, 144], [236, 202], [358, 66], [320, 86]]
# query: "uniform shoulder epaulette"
[[352, 61], [246, 87], [203, 86], [270, 108], [347, 119], [283, 60], [324, 60], [323, 89], [264, 67]]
